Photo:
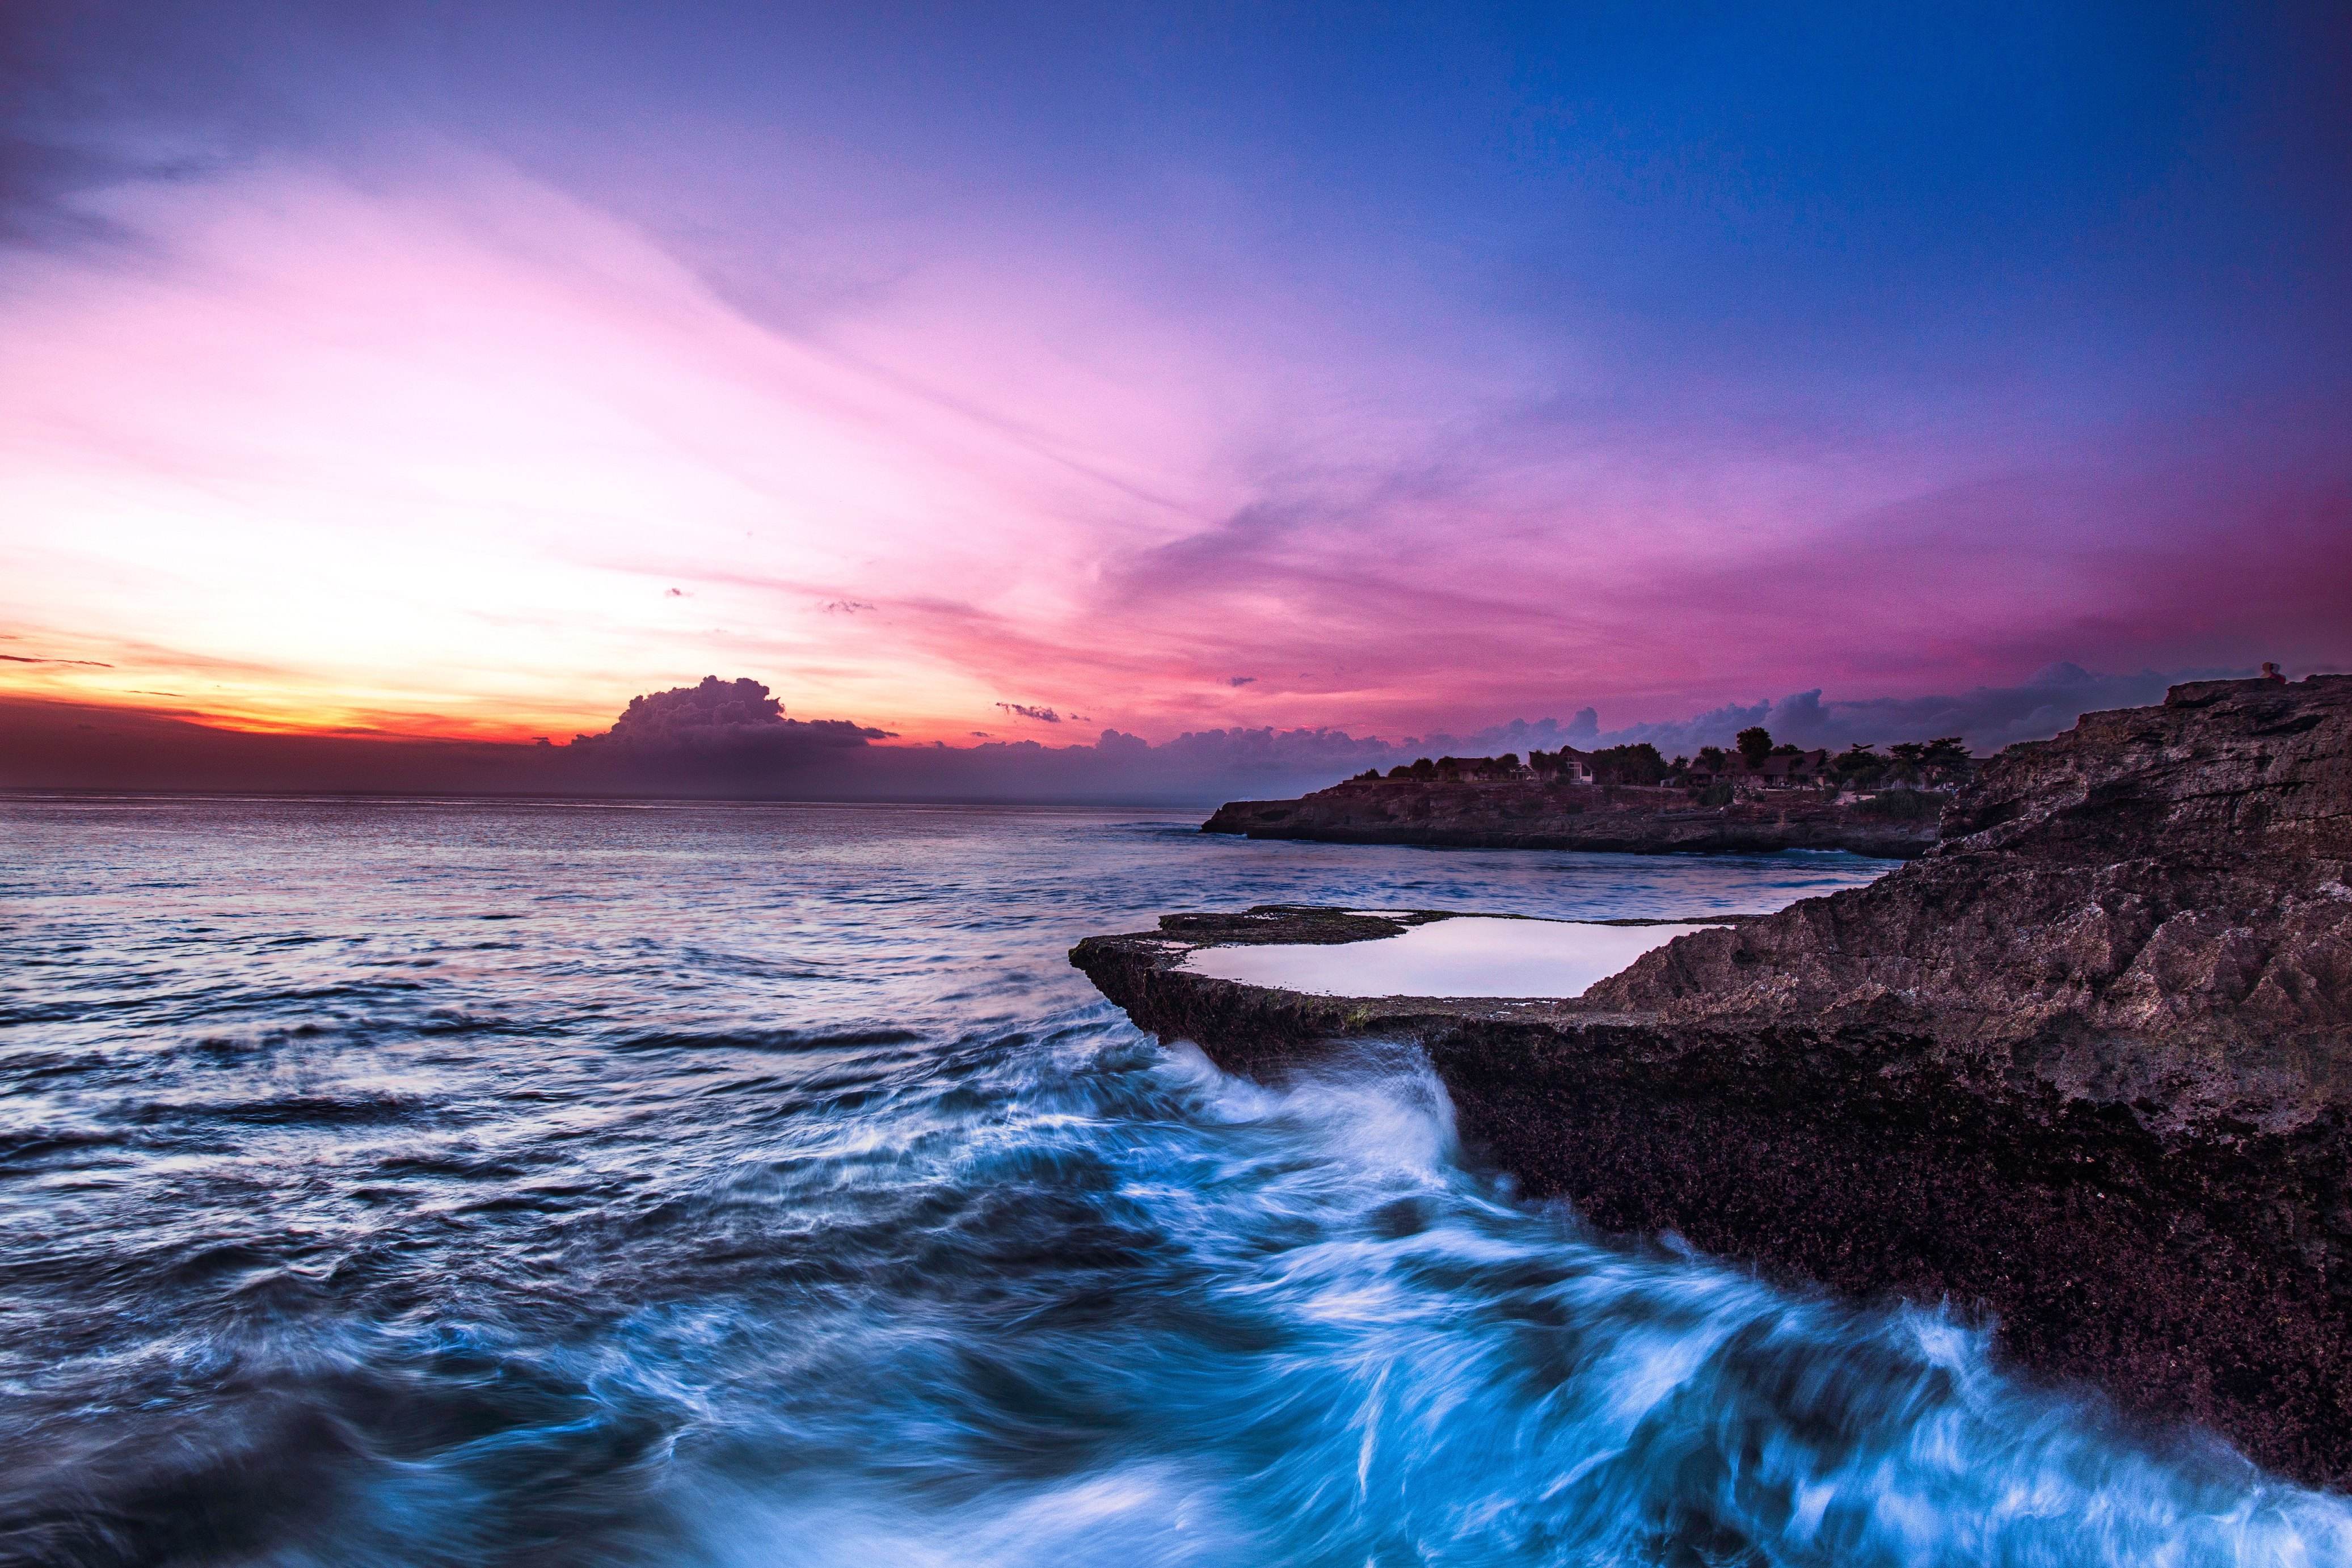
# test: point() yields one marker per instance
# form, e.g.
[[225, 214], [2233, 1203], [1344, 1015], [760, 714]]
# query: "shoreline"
[[2085, 1068], [1612, 820]]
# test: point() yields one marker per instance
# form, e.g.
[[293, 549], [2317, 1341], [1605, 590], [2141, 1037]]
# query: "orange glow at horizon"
[[356, 464]]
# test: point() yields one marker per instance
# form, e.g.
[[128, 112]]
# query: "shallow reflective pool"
[[1469, 955]]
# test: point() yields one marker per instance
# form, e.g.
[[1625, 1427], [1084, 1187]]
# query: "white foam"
[[1470, 955]]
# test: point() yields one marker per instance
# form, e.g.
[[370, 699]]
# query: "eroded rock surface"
[[2087, 1066], [2149, 910]]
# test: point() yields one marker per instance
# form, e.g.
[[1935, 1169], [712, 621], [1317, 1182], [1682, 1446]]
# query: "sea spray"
[[765, 1191]]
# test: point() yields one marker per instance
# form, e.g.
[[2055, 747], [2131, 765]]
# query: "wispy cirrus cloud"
[[545, 410]]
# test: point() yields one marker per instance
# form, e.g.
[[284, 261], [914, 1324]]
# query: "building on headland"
[[1567, 765], [1793, 770]]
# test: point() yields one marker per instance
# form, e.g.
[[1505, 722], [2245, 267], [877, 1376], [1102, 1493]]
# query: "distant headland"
[[1757, 795]]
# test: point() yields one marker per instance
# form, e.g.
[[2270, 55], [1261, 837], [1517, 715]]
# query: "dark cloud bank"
[[732, 740]]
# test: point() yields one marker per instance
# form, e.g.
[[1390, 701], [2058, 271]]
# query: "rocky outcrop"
[[1527, 815], [2088, 1067], [2153, 907]]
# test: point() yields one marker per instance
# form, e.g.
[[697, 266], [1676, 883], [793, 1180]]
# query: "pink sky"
[[425, 441]]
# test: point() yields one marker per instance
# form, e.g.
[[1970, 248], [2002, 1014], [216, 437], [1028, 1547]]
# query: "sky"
[[977, 376]]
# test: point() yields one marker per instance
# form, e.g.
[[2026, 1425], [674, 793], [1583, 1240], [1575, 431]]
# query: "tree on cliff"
[[1947, 756], [1941, 760], [1635, 764], [1857, 767], [1755, 745]]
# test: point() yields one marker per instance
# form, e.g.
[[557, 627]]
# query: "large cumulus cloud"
[[730, 719]]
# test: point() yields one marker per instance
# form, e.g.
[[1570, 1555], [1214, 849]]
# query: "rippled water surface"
[[451, 1184]]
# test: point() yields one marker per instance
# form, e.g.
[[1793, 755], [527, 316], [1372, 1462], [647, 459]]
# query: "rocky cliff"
[[2170, 877], [1525, 815], [2088, 1067]]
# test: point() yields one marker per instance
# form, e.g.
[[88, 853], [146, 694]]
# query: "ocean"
[[447, 1183]]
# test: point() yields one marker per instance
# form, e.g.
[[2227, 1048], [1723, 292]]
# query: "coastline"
[[2085, 1068], [1514, 815]]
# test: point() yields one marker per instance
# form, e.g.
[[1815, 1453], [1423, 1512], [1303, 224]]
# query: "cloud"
[[686, 712], [715, 710], [28, 658], [1987, 717], [1194, 768], [1238, 680], [1022, 710], [724, 735], [1537, 734]]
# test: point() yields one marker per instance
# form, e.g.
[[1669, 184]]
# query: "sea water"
[[453, 1184]]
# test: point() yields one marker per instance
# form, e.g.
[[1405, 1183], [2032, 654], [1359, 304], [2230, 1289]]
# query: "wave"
[[572, 1248], [1127, 1311]]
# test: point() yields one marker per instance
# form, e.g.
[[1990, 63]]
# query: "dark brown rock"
[[1468, 814], [2088, 1067]]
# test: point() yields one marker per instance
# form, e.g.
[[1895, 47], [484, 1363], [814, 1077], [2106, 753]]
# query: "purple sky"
[[465, 370]]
